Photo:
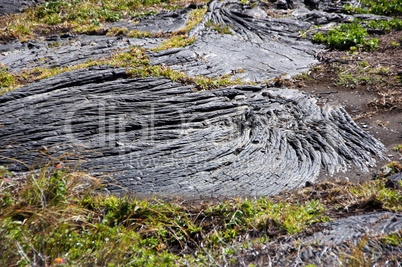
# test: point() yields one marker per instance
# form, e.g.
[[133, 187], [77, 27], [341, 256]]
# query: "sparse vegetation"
[[135, 61], [59, 215], [375, 71], [220, 28], [356, 34], [88, 16], [345, 36], [176, 41], [15, 81], [378, 7], [75, 17], [195, 17], [6, 78], [383, 26], [394, 239], [56, 213], [361, 74]]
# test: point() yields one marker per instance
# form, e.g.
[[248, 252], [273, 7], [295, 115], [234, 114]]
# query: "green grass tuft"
[[6, 79], [220, 28], [345, 36], [175, 42], [378, 7]]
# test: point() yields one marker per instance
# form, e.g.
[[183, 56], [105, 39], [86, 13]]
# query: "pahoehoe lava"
[[155, 136], [260, 46], [338, 237]]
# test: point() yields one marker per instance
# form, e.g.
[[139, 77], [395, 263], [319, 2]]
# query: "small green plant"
[[347, 80], [6, 79], [138, 34], [302, 34], [395, 166], [345, 36], [398, 148], [195, 17], [363, 64], [381, 70], [52, 45], [116, 31], [220, 28], [393, 239], [379, 7], [383, 26]]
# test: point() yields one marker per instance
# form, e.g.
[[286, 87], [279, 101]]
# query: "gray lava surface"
[[261, 41], [65, 50], [155, 136], [333, 243], [14, 6], [256, 47]]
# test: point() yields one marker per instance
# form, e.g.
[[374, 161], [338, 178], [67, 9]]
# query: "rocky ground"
[[371, 97], [213, 100], [278, 138]]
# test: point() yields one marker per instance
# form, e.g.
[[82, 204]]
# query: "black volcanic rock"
[[393, 181]]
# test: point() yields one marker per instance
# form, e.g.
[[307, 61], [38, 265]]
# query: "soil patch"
[[368, 85]]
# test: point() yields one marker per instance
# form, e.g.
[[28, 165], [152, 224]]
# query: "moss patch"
[[136, 62]]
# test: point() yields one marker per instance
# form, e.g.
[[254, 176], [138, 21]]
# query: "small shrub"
[[378, 7], [346, 36], [383, 26], [6, 79]]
